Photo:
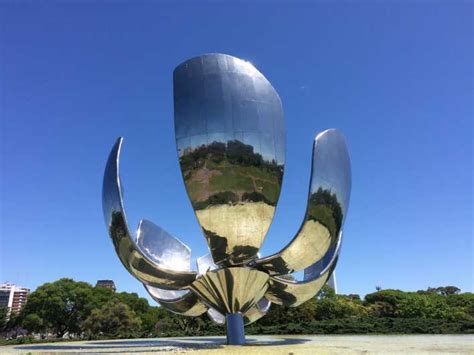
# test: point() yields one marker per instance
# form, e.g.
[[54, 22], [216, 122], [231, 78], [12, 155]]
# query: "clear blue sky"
[[396, 78]]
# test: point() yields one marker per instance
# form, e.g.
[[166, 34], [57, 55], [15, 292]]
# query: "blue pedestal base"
[[235, 329]]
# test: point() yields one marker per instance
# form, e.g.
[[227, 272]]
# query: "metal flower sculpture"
[[230, 139]]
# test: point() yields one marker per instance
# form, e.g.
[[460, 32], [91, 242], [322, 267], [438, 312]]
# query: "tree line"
[[77, 310]]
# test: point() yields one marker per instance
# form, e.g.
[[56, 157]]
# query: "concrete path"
[[303, 344]]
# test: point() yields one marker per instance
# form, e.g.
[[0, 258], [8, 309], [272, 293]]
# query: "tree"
[[115, 319], [33, 323], [326, 292], [62, 305], [3, 318]]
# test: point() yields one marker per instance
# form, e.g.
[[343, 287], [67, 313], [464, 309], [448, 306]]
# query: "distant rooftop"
[[106, 284]]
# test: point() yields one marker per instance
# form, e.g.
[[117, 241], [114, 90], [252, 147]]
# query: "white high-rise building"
[[13, 297], [332, 282]]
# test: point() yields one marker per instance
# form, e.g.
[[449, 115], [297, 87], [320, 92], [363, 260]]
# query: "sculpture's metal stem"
[[235, 329]]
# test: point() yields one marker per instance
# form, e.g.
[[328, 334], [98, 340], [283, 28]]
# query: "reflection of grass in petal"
[[270, 191], [230, 180], [210, 164], [195, 189], [324, 215], [259, 173]]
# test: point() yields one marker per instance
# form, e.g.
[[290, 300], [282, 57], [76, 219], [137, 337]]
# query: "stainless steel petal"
[[257, 311], [215, 316], [185, 303], [134, 260], [293, 293], [165, 250], [328, 201], [205, 264], [328, 261], [231, 144], [231, 290], [159, 294]]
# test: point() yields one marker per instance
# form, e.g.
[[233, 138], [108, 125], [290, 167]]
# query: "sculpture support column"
[[235, 329]]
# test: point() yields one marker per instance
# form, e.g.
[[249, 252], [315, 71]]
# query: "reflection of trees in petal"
[[326, 209], [217, 245], [229, 173], [118, 228]]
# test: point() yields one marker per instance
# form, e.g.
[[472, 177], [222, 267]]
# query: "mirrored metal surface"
[[327, 206], [205, 264], [318, 268], [165, 250], [293, 293], [231, 145], [257, 311], [135, 261], [215, 316], [231, 290], [159, 294], [185, 303]]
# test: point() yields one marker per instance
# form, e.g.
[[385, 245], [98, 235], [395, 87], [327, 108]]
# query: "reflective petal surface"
[[186, 303], [215, 316], [293, 293], [139, 265], [165, 250], [327, 206], [257, 311], [159, 294], [205, 264], [231, 290], [231, 144]]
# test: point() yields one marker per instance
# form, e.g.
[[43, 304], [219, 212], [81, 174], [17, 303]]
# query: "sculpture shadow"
[[125, 346]]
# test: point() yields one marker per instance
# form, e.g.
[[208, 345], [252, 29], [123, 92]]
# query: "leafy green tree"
[[62, 305], [33, 323], [115, 319], [3, 318], [137, 304], [326, 292]]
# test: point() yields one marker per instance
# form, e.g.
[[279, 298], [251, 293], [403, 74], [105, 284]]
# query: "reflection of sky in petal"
[[205, 263], [165, 294], [163, 248], [226, 98]]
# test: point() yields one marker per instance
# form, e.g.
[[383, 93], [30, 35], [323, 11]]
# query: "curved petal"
[[205, 264], [216, 316], [185, 303], [230, 139], [165, 250], [293, 293], [158, 294], [328, 202], [257, 311], [318, 268], [132, 257]]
